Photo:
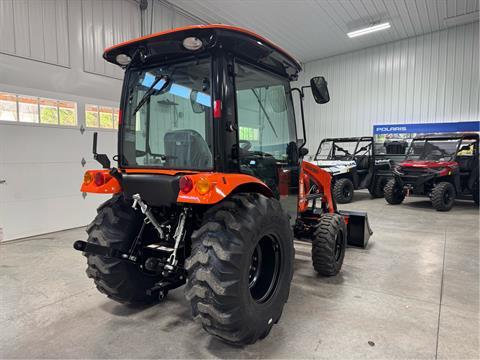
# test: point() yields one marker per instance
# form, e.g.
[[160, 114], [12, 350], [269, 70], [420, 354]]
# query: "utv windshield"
[[338, 150], [167, 117], [434, 150]]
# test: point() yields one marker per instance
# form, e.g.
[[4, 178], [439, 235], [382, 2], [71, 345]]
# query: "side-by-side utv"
[[210, 183], [354, 165], [443, 167]]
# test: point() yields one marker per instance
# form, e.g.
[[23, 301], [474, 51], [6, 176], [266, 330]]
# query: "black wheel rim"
[[447, 197], [338, 246], [346, 192], [264, 269]]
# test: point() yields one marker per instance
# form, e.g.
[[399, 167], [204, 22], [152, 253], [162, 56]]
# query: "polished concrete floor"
[[414, 293]]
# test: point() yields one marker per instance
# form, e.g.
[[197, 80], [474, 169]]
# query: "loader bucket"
[[358, 228]]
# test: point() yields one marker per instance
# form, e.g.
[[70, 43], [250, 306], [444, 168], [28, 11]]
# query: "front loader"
[[210, 184]]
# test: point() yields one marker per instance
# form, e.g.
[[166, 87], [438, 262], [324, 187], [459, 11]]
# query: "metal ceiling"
[[316, 29]]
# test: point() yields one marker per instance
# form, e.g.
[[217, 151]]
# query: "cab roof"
[[168, 45]]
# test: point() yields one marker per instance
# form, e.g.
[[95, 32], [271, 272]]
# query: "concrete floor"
[[414, 293]]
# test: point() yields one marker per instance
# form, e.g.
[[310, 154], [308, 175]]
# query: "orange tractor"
[[210, 185]]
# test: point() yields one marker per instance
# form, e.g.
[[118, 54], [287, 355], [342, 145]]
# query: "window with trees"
[[36, 110], [104, 117]]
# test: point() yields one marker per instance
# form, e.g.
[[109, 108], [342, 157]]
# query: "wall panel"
[[425, 79], [35, 29], [106, 23]]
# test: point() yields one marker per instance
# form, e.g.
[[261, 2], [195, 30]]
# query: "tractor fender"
[[220, 186]]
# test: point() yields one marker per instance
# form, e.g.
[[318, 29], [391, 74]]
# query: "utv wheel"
[[343, 190], [443, 196], [240, 268], [377, 190], [393, 192], [116, 226], [328, 245]]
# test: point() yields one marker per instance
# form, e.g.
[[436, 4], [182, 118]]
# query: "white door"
[[43, 172]]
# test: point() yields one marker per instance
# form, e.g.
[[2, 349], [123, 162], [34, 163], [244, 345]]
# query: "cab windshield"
[[167, 117], [434, 150]]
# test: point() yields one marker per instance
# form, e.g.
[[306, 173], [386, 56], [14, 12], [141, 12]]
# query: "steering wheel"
[[246, 145]]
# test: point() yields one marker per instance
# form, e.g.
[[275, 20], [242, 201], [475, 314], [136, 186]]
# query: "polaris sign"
[[464, 126], [390, 129]]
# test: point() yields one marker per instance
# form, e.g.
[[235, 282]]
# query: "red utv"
[[444, 167]]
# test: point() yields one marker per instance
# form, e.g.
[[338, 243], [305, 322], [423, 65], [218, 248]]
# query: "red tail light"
[[99, 179], [186, 184], [217, 109]]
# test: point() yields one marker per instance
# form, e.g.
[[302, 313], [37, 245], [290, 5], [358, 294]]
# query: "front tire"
[[343, 190], [328, 244], [443, 196], [116, 225], [393, 192], [240, 268]]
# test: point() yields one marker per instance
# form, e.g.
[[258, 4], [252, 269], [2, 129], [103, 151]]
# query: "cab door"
[[266, 131]]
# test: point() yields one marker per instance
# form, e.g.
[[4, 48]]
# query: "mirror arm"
[[301, 96], [101, 158]]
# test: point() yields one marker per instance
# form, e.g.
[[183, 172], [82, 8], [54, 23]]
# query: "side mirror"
[[196, 107], [320, 90], [303, 152]]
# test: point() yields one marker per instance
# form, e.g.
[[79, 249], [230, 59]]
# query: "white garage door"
[[42, 173]]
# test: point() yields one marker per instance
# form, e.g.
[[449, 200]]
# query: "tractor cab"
[[208, 99]]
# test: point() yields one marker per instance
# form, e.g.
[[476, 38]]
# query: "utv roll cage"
[[347, 139]]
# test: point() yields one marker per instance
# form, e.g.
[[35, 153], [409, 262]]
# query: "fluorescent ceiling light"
[[368, 30]]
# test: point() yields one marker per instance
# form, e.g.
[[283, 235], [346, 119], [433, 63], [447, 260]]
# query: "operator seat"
[[363, 164], [187, 149]]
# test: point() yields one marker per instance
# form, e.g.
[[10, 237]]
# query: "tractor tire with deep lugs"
[[240, 268], [393, 192], [116, 225], [343, 190], [443, 196], [328, 244]]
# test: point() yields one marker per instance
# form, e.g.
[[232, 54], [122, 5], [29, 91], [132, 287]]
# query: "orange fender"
[[100, 182], [211, 188]]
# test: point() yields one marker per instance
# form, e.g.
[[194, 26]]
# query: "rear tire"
[[116, 225], [343, 190], [443, 196], [328, 244], [393, 192], [377, 190], [240, 268]]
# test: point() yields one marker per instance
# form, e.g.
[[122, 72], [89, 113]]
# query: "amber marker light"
[[87, 178], [202, 186]]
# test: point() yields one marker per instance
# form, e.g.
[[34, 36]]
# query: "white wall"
[[53, 49], [429, 78]]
